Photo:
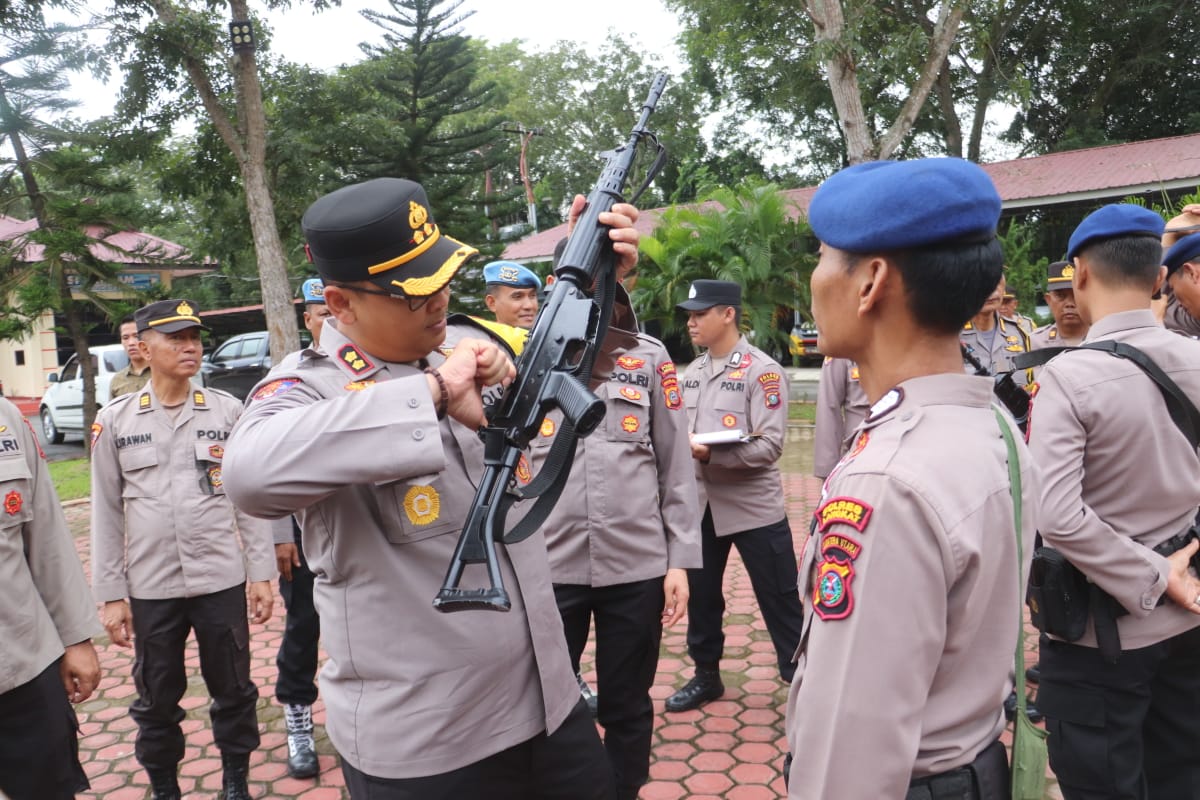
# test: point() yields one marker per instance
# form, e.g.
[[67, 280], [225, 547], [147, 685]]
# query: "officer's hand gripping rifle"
[[1014, 398], [553, 371]]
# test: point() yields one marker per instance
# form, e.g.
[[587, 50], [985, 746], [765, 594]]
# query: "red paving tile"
[[730, 749]]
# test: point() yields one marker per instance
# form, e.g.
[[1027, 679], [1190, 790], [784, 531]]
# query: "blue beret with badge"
[[510, 273], [1185, 250], [313, 291], [1112, 221], [880, 206]]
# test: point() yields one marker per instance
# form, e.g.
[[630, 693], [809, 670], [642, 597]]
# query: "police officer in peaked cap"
[[372, 444]]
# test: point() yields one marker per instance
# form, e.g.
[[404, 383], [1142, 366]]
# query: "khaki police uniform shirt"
[[1049, 336], [630, 510], [1176, 318], [912, 596], [381, 488], [1009, 341], [125, 381], [45, 603], [841, 406], [1119, 477], [162, 525], [748, 391]]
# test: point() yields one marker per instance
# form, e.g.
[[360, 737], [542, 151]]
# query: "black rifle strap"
[[1181, 409], [547, 486]]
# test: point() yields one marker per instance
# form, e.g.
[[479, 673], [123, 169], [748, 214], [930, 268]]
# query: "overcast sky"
[[330, 39]]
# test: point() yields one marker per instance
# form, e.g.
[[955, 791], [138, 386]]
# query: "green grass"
[[802, 412], [72, 478]]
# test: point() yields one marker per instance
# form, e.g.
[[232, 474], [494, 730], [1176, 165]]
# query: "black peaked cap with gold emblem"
[[168, 316], [384, 232]]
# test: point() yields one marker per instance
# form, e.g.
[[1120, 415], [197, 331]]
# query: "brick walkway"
[[730, 749]]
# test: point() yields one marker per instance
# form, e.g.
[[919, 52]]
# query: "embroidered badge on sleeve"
[[772, 394], [274, 388], [833, 595], [843, 510], [669, 380]]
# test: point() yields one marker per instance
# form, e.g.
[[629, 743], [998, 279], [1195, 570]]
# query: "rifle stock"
[[553, 371]]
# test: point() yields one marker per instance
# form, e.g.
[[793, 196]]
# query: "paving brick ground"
[[729, 749]]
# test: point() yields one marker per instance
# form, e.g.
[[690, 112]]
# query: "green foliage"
[[748, 234], [1025, 273], [72, 478], [1107, 73]]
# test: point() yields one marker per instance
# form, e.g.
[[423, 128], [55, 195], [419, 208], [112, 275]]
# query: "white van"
[[61, 408]]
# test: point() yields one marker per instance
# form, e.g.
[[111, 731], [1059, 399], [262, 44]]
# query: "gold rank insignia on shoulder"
[[144, 401], [198, 399], [356, 361], [358, 386]]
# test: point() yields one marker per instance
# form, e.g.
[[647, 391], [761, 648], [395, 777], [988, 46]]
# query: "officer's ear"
[[489, 300], [338, 301]]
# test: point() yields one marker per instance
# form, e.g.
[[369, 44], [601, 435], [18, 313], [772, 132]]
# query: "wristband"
[[443, 401]]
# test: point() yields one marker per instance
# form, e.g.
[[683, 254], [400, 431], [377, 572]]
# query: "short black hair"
[[946, 284], [125, 320], [1131, 261]]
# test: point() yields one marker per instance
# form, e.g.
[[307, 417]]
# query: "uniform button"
[[419, 434], [906, 416], [413, 402]]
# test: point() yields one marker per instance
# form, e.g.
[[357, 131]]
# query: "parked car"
[[804, 345], [61, 408], [237, 364]]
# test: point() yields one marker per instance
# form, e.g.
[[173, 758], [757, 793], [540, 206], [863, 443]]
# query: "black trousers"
[[568, 765], [770, 559], [160, 629], [297, 657], [1129, 730], [628, 633], [39, 741]]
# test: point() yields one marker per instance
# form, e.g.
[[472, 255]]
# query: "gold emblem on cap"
[[1068, 271], [185, 310]]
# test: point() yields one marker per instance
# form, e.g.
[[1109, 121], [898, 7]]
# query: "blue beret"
[[1111, 221], [510, 273], [313, 291], [1185, 250], [880, 206]]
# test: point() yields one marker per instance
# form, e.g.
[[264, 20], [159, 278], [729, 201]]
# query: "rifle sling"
[[1181, 409]]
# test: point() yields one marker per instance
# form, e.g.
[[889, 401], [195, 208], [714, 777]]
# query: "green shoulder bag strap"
[[1029, 754]]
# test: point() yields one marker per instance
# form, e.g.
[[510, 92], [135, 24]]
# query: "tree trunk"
[[272, 262], [247, 141], [950, 123], [829, 24], [950, 14]]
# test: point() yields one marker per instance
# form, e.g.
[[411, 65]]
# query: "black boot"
[[1034, 673], [164, 785], [704, 687], [302, 756], [233, 779]]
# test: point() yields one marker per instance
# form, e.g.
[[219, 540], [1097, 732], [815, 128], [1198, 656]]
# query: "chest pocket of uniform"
[[730, 409], [137, 471], [419, 510], [15, 508], [627, 416], [208, 467]]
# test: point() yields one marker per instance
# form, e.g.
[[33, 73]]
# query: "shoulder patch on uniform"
[[772, 394], [854, 372], [833, 595], [844, 511], [144, 401], [669, 380], [886, 404], [97, 429], [13, 503], [275, 387], [353, 358], [198, 399], [629, 362]]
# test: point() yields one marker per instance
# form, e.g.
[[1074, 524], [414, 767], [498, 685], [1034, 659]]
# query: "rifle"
[[553, 371], [1014, 398]]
